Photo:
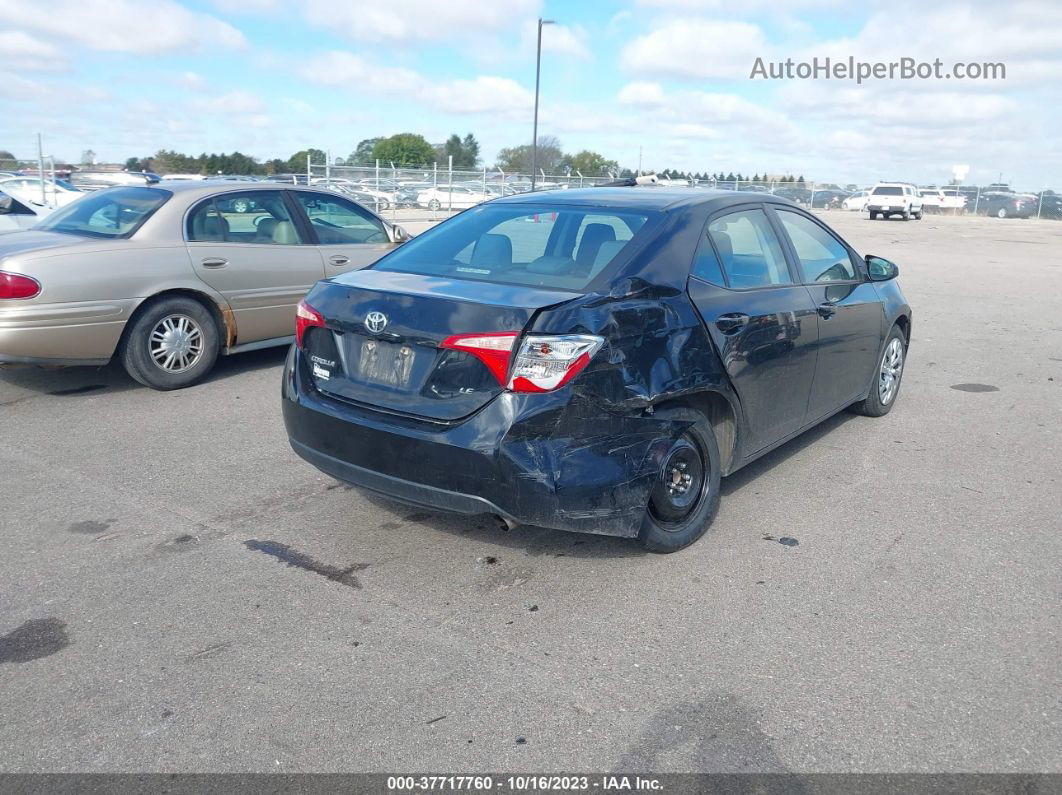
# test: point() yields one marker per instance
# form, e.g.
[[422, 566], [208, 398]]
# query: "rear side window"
[[244, 217], [749, 251], [562, 247], [823, 258]]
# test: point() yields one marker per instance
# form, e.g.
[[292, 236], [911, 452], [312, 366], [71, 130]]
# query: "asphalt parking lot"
[[180, 592]]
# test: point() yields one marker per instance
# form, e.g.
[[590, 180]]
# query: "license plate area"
[[383, 363]]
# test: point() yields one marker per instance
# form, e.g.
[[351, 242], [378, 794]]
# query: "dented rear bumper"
[[550, 460]]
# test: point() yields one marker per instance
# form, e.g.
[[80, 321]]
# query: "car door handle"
[[827, 310], [732, 322], [338, 259], [215, 262]]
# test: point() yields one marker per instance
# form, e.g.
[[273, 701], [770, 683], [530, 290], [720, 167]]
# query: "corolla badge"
[[376, 322]]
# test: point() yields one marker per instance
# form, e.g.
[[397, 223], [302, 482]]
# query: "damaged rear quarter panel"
[[599, 448]]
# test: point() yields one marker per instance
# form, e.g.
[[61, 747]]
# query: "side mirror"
[[880, 269], [398, 234]]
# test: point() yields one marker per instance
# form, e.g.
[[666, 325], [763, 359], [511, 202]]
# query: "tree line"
[[410, 150]]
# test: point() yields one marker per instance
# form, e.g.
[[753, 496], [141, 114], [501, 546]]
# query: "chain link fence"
[[438, 191]]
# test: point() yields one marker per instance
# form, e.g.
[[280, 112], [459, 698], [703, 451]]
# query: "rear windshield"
[[557, 246], [112, 213], [888, 191]]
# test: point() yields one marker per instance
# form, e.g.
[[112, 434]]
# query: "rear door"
[[849, 312], [762, 321], [349, 237], [248, 247]]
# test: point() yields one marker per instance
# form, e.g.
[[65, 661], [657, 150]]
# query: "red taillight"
[[543, 362], [494, 350], [306, 317], [15, 285]]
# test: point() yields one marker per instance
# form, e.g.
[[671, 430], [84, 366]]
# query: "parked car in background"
[[166, 278], [97, 180], [377, 202], [591, 360], [932, 199], [856, 202], [1049, 205], [801, 196], [953, 200], [1007, 205], [17, 213], [895, 198], [828, 199], [57, 193], [458, 197]]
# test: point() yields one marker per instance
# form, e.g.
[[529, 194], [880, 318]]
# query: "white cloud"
[[696, 49], [27, 53], [232, 103], [641, 93], [483, 94], [557, 38], [418, 20], [132, 26]]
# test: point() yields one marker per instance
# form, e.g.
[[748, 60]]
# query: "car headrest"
[[214, 226], [285, 233], [723, 243], [593, 236], [608, 250], [266, 227], [493, 250]]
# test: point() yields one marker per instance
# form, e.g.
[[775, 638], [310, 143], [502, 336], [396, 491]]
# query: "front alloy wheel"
[[890, 372]]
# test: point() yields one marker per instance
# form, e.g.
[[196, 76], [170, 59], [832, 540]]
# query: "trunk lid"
[[30, 240], [381, 343]]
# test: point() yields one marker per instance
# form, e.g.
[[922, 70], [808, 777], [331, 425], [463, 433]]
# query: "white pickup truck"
[[895, 198]]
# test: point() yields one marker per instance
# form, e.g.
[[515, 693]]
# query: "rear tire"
[[1002, 213], [873, 216], [685, 495], [883, 389], [172, 343], [434, 205]]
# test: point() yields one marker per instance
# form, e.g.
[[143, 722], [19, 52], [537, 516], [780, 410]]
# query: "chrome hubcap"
[[891, 369], [176, 343]]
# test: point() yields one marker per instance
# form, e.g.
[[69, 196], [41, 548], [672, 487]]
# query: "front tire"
[[1002, 213], [434, 205], [684, 496], [172, 343], [887, 375]]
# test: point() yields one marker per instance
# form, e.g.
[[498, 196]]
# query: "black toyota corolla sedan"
[[592, 360]]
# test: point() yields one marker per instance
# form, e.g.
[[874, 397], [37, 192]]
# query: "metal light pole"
[[538, 69]]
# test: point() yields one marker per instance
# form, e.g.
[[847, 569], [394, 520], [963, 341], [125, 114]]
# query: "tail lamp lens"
[[545, 363], [15, 285], [306, 317]]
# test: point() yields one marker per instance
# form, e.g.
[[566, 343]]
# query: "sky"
[[664, 80]]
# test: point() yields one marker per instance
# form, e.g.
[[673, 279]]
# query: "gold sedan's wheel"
[[176, 343]]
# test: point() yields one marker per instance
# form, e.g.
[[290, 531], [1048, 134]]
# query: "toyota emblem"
[[376, 322]]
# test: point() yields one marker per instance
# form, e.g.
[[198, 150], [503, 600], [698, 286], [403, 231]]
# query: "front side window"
[[259, 217], [823, 258], [749, 250], [338, 221], [558, 246], [115, 213]]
